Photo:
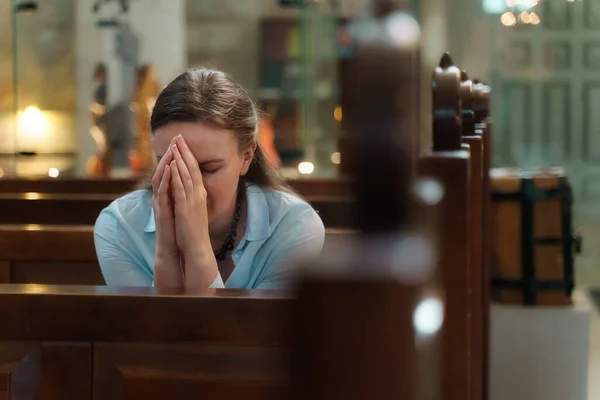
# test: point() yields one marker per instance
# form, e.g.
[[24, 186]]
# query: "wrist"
[[200, 268], [199, 252]]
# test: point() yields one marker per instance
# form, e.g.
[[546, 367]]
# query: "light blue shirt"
[[280, 228]]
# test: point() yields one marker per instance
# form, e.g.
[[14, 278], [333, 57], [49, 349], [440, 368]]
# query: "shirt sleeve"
[[299, 236], [218, 283], [117, 263]]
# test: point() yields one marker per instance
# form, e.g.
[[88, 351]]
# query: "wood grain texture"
[[189, 371], [476, 204], [45, 371], [452, 169], [102, 313]]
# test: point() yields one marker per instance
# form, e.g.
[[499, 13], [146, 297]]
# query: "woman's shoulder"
[[287, 210], [132, 208]]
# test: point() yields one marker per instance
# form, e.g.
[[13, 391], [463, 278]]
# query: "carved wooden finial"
[[446, 61], [464, 76], [447, 129], [467, 104], [481, 107]]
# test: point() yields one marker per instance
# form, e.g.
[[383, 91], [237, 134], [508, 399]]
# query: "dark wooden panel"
[[47, 243], [4, 272], [65, 371], [19, 370], [452, 169], [305, 187], [104, 313], [189, 371], [59, 255], [45, 371], [61, 209], [83, 209], [476, 263], [83, 185], [52, 273]]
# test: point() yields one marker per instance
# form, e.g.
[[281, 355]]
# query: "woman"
[[216, 214]]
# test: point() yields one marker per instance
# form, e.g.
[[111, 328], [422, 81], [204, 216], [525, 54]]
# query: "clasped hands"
[[184, 255]]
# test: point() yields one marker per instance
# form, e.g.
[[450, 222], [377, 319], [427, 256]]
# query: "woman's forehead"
[[204, 141]]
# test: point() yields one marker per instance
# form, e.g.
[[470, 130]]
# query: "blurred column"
[[160, 29]]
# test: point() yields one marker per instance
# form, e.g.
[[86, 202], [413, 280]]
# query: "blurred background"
[[78, 78]]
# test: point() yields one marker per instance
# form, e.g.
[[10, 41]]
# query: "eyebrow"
[[213, 161]]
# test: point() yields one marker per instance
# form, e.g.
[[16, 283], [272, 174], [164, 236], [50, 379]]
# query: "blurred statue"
[[119, 130], [141, 157], [99, 164]]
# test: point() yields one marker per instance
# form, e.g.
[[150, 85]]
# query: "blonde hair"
[[214, 98]]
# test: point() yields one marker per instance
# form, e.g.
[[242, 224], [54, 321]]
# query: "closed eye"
[[208, 170]]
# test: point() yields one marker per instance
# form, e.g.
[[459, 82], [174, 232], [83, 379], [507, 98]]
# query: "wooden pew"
[[134, 343], [476, 202], [84, 208], [304, 186], [57, 255], [483, 127], [449, 163], [62, 254], [355, 330], [68, 185]]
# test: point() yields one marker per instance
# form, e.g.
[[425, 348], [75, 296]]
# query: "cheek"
[[220, 189]]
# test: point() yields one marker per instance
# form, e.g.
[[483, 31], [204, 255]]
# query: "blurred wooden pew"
[[118, 186], [61, 254], [84, 208], [48, 255], [450, 162]]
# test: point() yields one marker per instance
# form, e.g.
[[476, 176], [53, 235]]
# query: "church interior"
[[458, 223]]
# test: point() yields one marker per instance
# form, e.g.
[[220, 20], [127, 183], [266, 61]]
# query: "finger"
[[189, 159], [178, 189], [184, 172], [160, 168], [163, 188]]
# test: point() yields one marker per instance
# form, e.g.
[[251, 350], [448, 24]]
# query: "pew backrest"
[[48, 255], [62, 255]]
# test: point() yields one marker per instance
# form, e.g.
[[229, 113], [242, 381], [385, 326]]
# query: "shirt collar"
[[258, 225]]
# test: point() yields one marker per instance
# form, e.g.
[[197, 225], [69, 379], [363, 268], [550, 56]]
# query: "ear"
[[247, 157]]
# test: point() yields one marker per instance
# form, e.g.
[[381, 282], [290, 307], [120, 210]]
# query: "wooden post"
[[449, 164], [483, 127], [369, 312], [476, 200]]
